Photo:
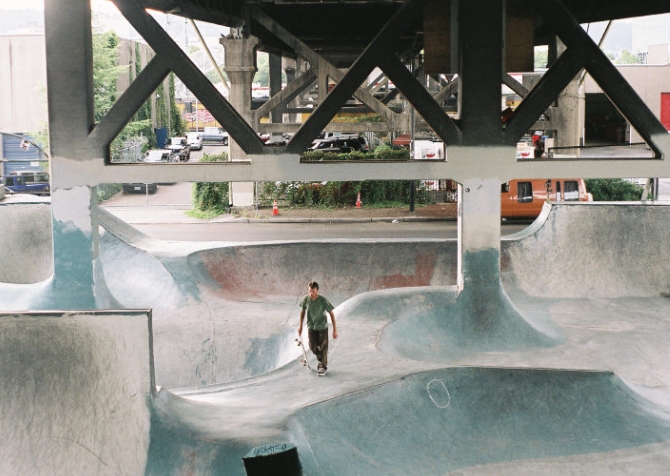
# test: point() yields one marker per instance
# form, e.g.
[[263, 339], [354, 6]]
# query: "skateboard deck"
[[303, 359]]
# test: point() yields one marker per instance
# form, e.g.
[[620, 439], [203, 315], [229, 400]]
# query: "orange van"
[[523, 198]]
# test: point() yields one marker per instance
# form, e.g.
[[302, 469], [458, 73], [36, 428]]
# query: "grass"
[[205, 215]]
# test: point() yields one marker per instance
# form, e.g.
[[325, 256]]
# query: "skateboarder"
[[316, 307]]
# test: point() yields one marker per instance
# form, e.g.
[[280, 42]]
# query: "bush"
[[613, 190], [337, 194], [382, 152], [105, 191], [211, 197]]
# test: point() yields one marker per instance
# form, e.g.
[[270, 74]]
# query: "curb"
[[342, 220]]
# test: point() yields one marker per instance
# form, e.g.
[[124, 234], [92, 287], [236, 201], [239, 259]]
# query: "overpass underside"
[[469, 47]]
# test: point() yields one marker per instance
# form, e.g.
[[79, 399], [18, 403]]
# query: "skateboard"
[[304, 360]]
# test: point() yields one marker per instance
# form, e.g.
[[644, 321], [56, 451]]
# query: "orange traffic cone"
[[275, 209], [358, 201]]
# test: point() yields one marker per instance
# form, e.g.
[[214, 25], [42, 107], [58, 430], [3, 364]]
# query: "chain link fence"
[[131, 150]]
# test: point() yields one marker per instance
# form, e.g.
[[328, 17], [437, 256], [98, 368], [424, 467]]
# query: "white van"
[[194, 139]]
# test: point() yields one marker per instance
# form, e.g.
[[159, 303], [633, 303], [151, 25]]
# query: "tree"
[[613, 190], [105, 72], [176, 121], [627, 57]]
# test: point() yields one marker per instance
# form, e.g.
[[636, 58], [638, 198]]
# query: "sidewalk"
[[168, 214]]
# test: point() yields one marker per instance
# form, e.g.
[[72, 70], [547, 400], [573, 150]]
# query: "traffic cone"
[[358, 201], [275, 209]]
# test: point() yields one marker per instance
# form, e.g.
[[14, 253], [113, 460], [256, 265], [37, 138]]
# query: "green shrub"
[[382, 152], [338, 194], [105, 191], [613, 190], [211, 197]]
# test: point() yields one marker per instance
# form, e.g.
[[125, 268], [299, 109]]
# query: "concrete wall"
[[23, 83], [648, 80], [23, 80], [27, 254]]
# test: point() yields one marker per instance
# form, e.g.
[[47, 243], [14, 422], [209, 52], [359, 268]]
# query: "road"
[[231, 231]]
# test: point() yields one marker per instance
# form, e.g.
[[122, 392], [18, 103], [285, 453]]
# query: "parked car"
[[160, 155], [140, 187], [19, 184], [340, 144], [215, 134], [154, 156], [33, 176], [179, 146], [194, 139]]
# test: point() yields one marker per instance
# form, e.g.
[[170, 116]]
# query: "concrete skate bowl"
[[25, 234], [228, 312], [343, 268], [197, 339], [594, 250], [437, 422]]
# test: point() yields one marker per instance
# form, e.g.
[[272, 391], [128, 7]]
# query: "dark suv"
[[341, 144], [23, 184]]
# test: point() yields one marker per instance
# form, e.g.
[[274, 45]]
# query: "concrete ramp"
[[437, 422], [26, 254], [343, 268], [412, 386], [75, 393], [594, 250], [227, 311]]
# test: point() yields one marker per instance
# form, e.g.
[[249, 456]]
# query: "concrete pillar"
[[240, 66], [479, 232], [322, 83], [275, 63], [290, 69], [70, 98], [75, 243], [568, 116], [483, 312]]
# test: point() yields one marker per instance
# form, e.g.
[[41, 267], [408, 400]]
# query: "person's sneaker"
[[321, 370]]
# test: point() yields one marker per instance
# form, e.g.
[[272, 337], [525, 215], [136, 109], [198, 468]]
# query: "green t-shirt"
[[317, 317]]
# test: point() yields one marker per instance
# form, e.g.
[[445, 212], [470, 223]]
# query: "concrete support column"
[[322, 83], [75, 243], [240, 66], [290, 69], [70, 98], [275, 64], [479, 232], [570, 110]]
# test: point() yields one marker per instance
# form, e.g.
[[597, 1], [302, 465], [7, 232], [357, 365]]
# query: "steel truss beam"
[[183, 67], [582, 52], [378, 53], [318, 63], [292, 89]]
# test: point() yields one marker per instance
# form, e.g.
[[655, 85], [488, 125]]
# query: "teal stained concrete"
[[444, 420], [530, 377]]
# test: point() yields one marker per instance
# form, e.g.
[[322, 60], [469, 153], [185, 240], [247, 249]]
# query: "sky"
[[22, 5]]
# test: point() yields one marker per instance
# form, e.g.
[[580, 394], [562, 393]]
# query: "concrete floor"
[[577, 384]]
